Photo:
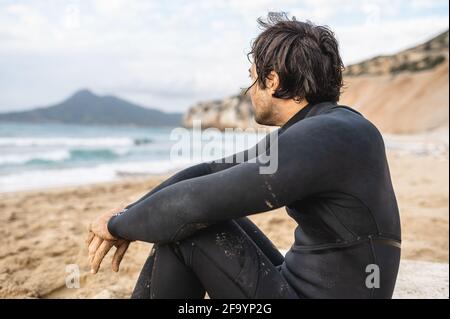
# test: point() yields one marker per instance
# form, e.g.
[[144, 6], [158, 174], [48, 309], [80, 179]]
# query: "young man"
[[332, 175]]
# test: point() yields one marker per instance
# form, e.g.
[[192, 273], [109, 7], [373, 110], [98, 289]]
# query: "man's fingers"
[[89, 238], [93, 246], [95, 243], [118, 255], [100, 254]]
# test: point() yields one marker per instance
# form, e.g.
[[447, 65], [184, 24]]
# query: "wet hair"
[[304, 55]]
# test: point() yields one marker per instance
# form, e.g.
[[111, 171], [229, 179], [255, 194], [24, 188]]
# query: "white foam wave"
[[29, 180], [65, 141], [58, 155]]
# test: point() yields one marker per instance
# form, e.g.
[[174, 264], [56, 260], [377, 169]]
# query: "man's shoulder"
[[340, 117], [338, 123]]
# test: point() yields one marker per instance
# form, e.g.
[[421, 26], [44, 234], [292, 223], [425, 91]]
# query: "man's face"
[[261, 100]]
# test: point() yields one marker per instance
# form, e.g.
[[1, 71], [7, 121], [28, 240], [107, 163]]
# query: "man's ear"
[[272, 82]]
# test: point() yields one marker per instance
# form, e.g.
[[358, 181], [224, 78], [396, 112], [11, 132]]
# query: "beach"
[[102, 101], [43, 231]]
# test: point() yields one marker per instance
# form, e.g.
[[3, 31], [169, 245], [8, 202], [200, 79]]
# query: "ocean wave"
[[37, 179], [86, 155], [73, 141], [58, 156], [52, 156], [142, 141]]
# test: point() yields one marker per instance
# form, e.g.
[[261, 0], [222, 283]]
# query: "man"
[[332, 175]]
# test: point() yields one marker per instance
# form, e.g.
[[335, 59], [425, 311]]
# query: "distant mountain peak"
[[85, 107], [83, 93]]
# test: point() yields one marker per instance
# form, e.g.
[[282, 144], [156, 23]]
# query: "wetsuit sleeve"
[[208, 168], [179, 210], [190, 172]]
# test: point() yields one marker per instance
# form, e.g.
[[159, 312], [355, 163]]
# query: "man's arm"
[[187, 173], [208, 167], [179, 210]]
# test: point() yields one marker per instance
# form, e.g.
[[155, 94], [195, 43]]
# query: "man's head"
[[293, 63]]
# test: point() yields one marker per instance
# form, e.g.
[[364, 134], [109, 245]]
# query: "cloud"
[[386, 37], [426, 4], [171, 54]]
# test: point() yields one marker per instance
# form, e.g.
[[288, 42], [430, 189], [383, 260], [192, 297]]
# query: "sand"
[[422, 280], [43, 231]]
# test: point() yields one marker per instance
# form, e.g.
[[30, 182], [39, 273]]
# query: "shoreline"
[[69, 187]]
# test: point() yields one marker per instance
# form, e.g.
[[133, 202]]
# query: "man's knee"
[[223, 241]]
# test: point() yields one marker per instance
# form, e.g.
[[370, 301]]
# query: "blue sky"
[[171, 54]]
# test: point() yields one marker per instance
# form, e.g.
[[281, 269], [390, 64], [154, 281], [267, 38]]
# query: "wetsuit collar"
[[320, 108], [309, 110]]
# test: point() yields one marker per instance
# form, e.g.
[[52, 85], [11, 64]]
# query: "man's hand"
[[99, 248], [100, 225], [100, 241]]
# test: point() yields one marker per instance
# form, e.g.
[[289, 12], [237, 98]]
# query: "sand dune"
[[403, 103]]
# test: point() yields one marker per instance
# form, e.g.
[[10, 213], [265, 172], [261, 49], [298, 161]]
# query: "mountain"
[[407, 92], [87, 108]]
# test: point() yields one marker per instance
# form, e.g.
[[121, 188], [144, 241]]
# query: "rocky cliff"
[[232, 112]]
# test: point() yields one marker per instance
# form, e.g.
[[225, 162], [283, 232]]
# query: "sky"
[[172, 54]]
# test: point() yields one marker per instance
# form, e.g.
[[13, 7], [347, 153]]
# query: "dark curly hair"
[[305, 57]]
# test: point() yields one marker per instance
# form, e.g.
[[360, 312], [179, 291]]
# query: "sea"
[[35, 156]]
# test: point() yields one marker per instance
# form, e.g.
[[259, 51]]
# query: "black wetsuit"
[[334, 180]]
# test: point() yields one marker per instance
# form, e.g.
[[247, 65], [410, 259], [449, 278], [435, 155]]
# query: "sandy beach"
[[101, 101], [43, 231]]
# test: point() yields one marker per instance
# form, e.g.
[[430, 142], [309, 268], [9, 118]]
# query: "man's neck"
[[288, 109]]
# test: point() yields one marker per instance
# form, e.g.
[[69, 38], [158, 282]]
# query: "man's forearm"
[[191, 172], [208, 168]]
